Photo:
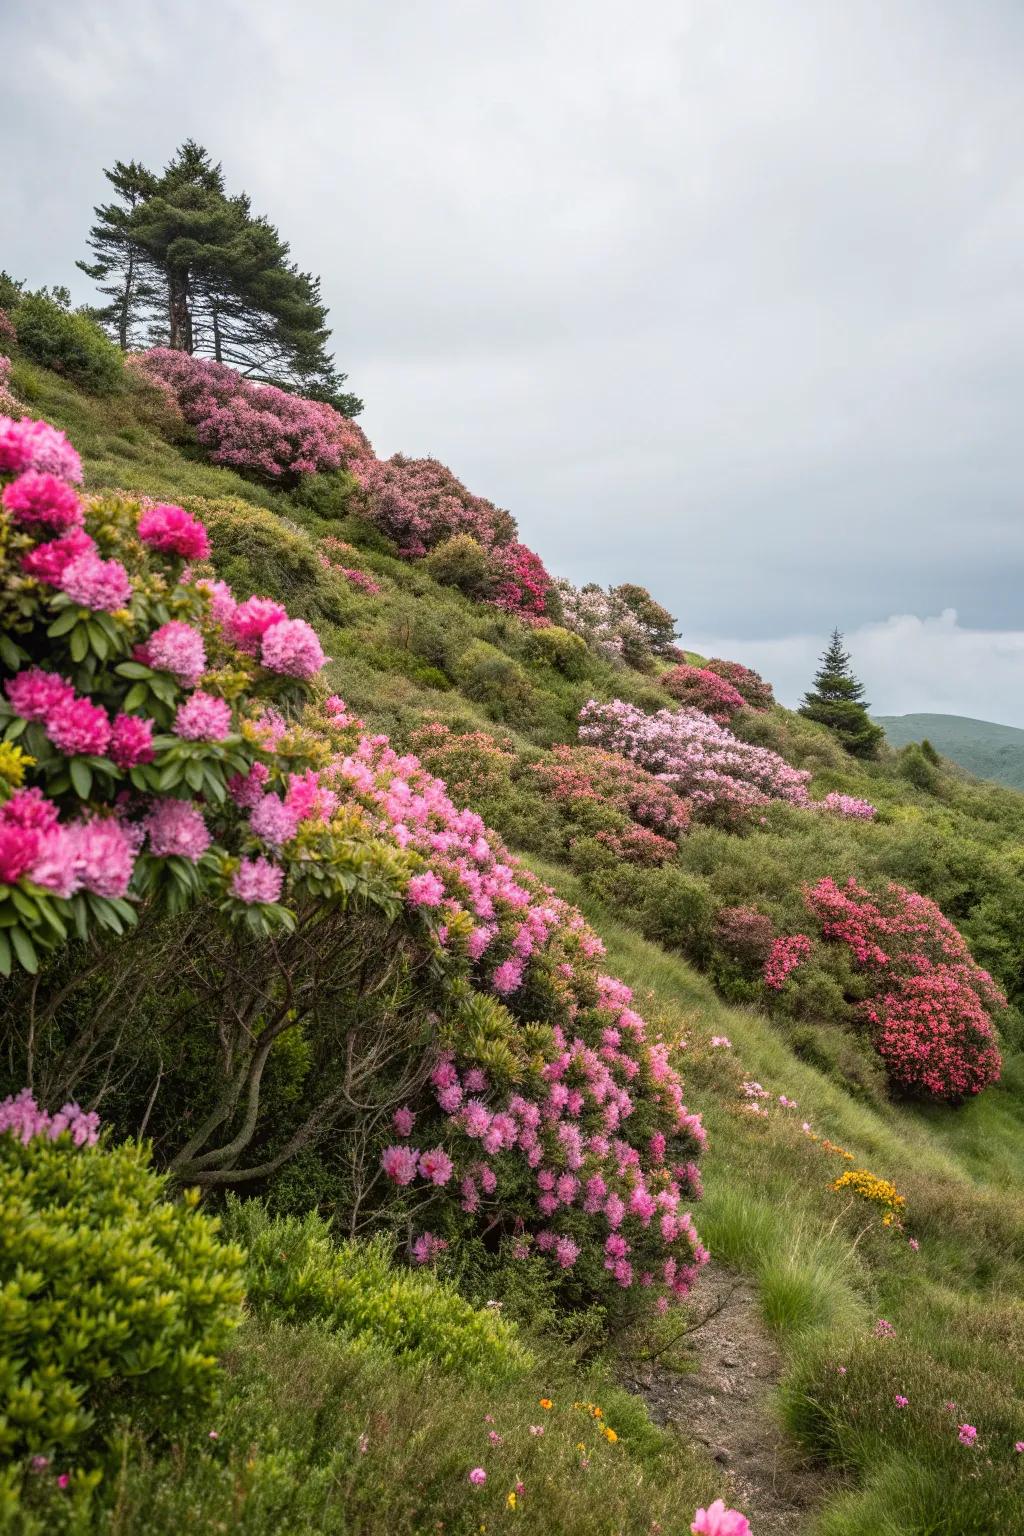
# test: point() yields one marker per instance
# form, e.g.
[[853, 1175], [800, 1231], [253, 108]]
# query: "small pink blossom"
[[399, 1163], [257, 880], [131, 741], [478, 1477], [174, 532], [293, 648], [425, 890], [176, 828], [967, 1434], [900, 1400], [101, 585], [717, 1520], [42, 498], [203, 717]]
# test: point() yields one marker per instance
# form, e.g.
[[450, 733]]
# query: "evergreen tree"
[[190, 267], [837, 700]]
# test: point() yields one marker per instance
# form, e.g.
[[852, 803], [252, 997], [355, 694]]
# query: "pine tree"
[[837, 701], [190, 267]]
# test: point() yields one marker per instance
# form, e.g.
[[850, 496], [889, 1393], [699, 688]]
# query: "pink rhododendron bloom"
[[48, 561], [42, 498], [785, 955], [104, 854], [508, 977], [427, 1248], [1019, 1447], [273, 821], [35, 694], [28, 808], [292, 647], [174, 531], [403, 1121], [248, 791], [56, 866], [203, 717], [222, 601], [257, 880], [35, 445], [251, 619], [307, 797], [436, 1165], [22, 1118], [176, 828], [79, 726], [178, 648], [399, 1163], [18, 848], [425, 890], [717, 1520], [102, 585], [131, 741]]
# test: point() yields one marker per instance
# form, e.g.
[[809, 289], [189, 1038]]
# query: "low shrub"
[[68, 343], [462, 561], [556, 647], [297, 1274], [745, 935], [115, 1300]]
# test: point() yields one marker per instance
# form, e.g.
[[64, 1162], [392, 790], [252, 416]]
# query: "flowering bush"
[[720, 775], [750, 685], [520, 581], [700, 688], [931, 1007], [785, 955], [256, 428], [538, 1102], [419, 503], [589, 774], [605, 621], [113, 1297], [744, 934], [847, 805]]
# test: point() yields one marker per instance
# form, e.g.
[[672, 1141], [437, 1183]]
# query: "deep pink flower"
[[203, 717], [35, 694], [478, 1477], [425, 890], [131, 741], [28, 808], [47, 562], [251, 620], [102, 585], [176, 827], [967, 1434], [900, 1400], [716, 1520], [56, 866], [104, 854], [178, 648], [292, 647], [18, 848], [436, 1165], [257, 880], [399, 1163], [26, 444], [79, 726], [42, 498], [174, 532]]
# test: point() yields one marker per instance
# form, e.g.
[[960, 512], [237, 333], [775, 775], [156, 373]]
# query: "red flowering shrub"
[[639, 845], [698, 688], [744, 934], [750, 685], [932, 1004], [521, 583], [256, 428], [934, 1035], [784, 957]]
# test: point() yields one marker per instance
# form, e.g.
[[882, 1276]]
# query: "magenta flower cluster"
[[22, 1118]]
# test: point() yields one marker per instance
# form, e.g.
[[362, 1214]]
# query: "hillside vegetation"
[[987, 750], [450, 1032]]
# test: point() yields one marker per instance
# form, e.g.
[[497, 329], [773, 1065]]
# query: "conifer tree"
[[187, 265], [837, 701]]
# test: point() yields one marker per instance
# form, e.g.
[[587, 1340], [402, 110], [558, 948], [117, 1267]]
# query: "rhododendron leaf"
[[6, 959], [133, 669], [15, 729], [25, 905], [81, 776], [135, 696], [64, 621], [99, 641], [79, 643], [10, 654], [24, 949]]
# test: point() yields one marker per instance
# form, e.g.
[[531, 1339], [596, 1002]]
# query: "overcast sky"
[[725, 298]]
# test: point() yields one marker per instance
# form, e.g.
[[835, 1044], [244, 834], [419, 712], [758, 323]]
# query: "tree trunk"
[[179, 315], [126, 301], [216, 334]]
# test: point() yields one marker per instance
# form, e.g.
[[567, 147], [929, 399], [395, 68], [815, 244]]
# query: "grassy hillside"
[[988, 750], [338, 1412]]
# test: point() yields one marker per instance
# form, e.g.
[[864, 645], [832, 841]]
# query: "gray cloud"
[[724, 299]]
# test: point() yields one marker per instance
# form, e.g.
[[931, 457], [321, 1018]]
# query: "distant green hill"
[[983, 748]]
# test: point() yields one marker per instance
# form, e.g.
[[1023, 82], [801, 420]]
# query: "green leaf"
[[137, 694], [81, 777], [5, 955], [99, 641], [133, 669], [10, 654], [79, 643], [62, 623], [24, 949]]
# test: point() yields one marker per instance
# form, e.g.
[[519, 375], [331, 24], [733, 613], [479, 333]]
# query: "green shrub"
[[462, 562], [113, 1300], [326, 496], [70, 344], [678, 910], [559, 648], [494, 680], [297, 1274]]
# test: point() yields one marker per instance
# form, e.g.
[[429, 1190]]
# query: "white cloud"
[[908, 665]]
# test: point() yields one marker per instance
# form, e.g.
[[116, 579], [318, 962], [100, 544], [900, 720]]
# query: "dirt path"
[[727, 1403]]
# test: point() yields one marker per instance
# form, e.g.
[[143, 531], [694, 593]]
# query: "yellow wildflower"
[[870, 1187], [13, 762], [510, 1502]]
